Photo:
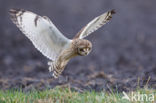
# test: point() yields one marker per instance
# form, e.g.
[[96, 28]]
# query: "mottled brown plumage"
[[78, 47]]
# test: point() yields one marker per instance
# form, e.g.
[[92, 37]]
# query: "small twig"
[[138, 83], [146, 85]]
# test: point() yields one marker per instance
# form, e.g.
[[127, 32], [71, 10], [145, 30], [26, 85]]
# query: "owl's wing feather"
[[95, 24], [41, 31]]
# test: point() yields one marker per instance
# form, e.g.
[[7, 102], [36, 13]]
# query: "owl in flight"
[[51, 42]]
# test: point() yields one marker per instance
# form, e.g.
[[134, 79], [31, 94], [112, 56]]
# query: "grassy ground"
[[66, 95]]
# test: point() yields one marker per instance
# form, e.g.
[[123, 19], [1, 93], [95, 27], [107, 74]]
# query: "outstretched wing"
[[41, 31], [95, 24]]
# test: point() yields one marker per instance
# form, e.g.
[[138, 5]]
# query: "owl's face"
[[83, 47], [83, 51]]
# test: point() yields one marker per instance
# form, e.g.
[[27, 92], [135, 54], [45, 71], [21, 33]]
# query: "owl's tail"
[[53, 68]]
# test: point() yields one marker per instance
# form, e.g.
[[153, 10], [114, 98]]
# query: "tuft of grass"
[[65, 95]]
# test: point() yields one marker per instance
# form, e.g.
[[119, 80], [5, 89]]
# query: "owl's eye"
[[81, 49]]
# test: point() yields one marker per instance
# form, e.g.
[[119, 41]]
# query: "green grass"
[[66, 95]]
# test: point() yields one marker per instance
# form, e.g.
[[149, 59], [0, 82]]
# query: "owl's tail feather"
[[53, 68]]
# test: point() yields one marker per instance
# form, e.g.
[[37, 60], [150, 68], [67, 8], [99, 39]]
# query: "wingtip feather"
[[16, 12], [113, 11]]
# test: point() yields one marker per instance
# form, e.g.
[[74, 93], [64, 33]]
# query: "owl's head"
[[82, 46]]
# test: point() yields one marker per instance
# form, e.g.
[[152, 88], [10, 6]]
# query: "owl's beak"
[[86, 53]]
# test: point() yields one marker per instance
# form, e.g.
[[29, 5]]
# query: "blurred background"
[[123, 55]]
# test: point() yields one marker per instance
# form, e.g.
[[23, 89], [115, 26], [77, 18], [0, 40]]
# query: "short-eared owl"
[[51, 42]]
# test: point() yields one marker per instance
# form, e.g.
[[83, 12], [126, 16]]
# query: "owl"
[[51, 42]]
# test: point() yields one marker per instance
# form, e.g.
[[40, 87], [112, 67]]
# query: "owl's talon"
[[54, 76]]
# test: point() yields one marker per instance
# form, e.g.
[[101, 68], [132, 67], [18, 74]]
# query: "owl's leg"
[[53, 68], [57, 72]]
